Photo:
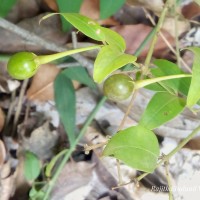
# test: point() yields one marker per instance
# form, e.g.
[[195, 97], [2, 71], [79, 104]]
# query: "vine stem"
[[72, 148], [175, 150], [158, 27], [48, 58], [168, 180], [165, 158]]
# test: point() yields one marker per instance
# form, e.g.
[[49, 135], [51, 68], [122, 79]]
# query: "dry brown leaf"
[[134, 35], [191, 10], [2, 153], [154, 5], [2, 119], [52, 4], [41, 142], [90, 8], [169, 25], [49, 30], [41, 88], [73, 176], [7, 185], [23, 9]]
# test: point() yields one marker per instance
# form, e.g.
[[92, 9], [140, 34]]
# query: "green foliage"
[[114, 39], [135, 146], [86, 25], [51, 165], [6, 6], [35, 193], [109, 7], [66, 6], [65, 103], [108, 60], [31, 166], [65, 97], [167, 68], [194, 91], [162, 108], [111, 57], [79, 74]]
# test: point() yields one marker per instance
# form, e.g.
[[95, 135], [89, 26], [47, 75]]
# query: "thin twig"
[[168, 180], [49, 45], [127, 111], [19, 105], [175, 150], [119, 171], [158, 27], [72, 148], [167, 42], [176, 36]]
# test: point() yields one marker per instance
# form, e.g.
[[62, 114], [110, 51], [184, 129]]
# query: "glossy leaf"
[[162, 108], [66, 6], [31, 166], [6, 6], [86, 25], [79, 74], [168, 68], [92, 29], [108, 60], [135, 146], [194, 90], [113, 38], [64, 95], [109, 7]]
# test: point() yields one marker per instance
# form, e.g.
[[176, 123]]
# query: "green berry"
[[22, 65], [118, 87]]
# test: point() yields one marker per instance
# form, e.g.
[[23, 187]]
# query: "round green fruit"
[[118, 87], [22, 65]]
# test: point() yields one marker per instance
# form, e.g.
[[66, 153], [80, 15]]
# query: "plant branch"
[[19, 105], [175, 150], [49, 45], [168, 180], [72, 148], [158, 27], [167, 42]]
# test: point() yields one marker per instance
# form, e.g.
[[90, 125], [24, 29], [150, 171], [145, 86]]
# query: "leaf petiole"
[[48, 58], [143, 83]]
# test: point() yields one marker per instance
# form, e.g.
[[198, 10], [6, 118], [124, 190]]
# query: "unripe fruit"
[[22, 65], [118, 87]]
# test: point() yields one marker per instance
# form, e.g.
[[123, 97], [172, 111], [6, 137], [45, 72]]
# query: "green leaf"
[[113, 38], [194, 90], [92, 29], [5, 7], [135, 146], [162, 108], [31, 166], [109, 7], [64, 95], [168, 68], [66, 6], [34, 194], [79, 74], [86, 25], [53, 161], [108, 60], [198, 2]]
